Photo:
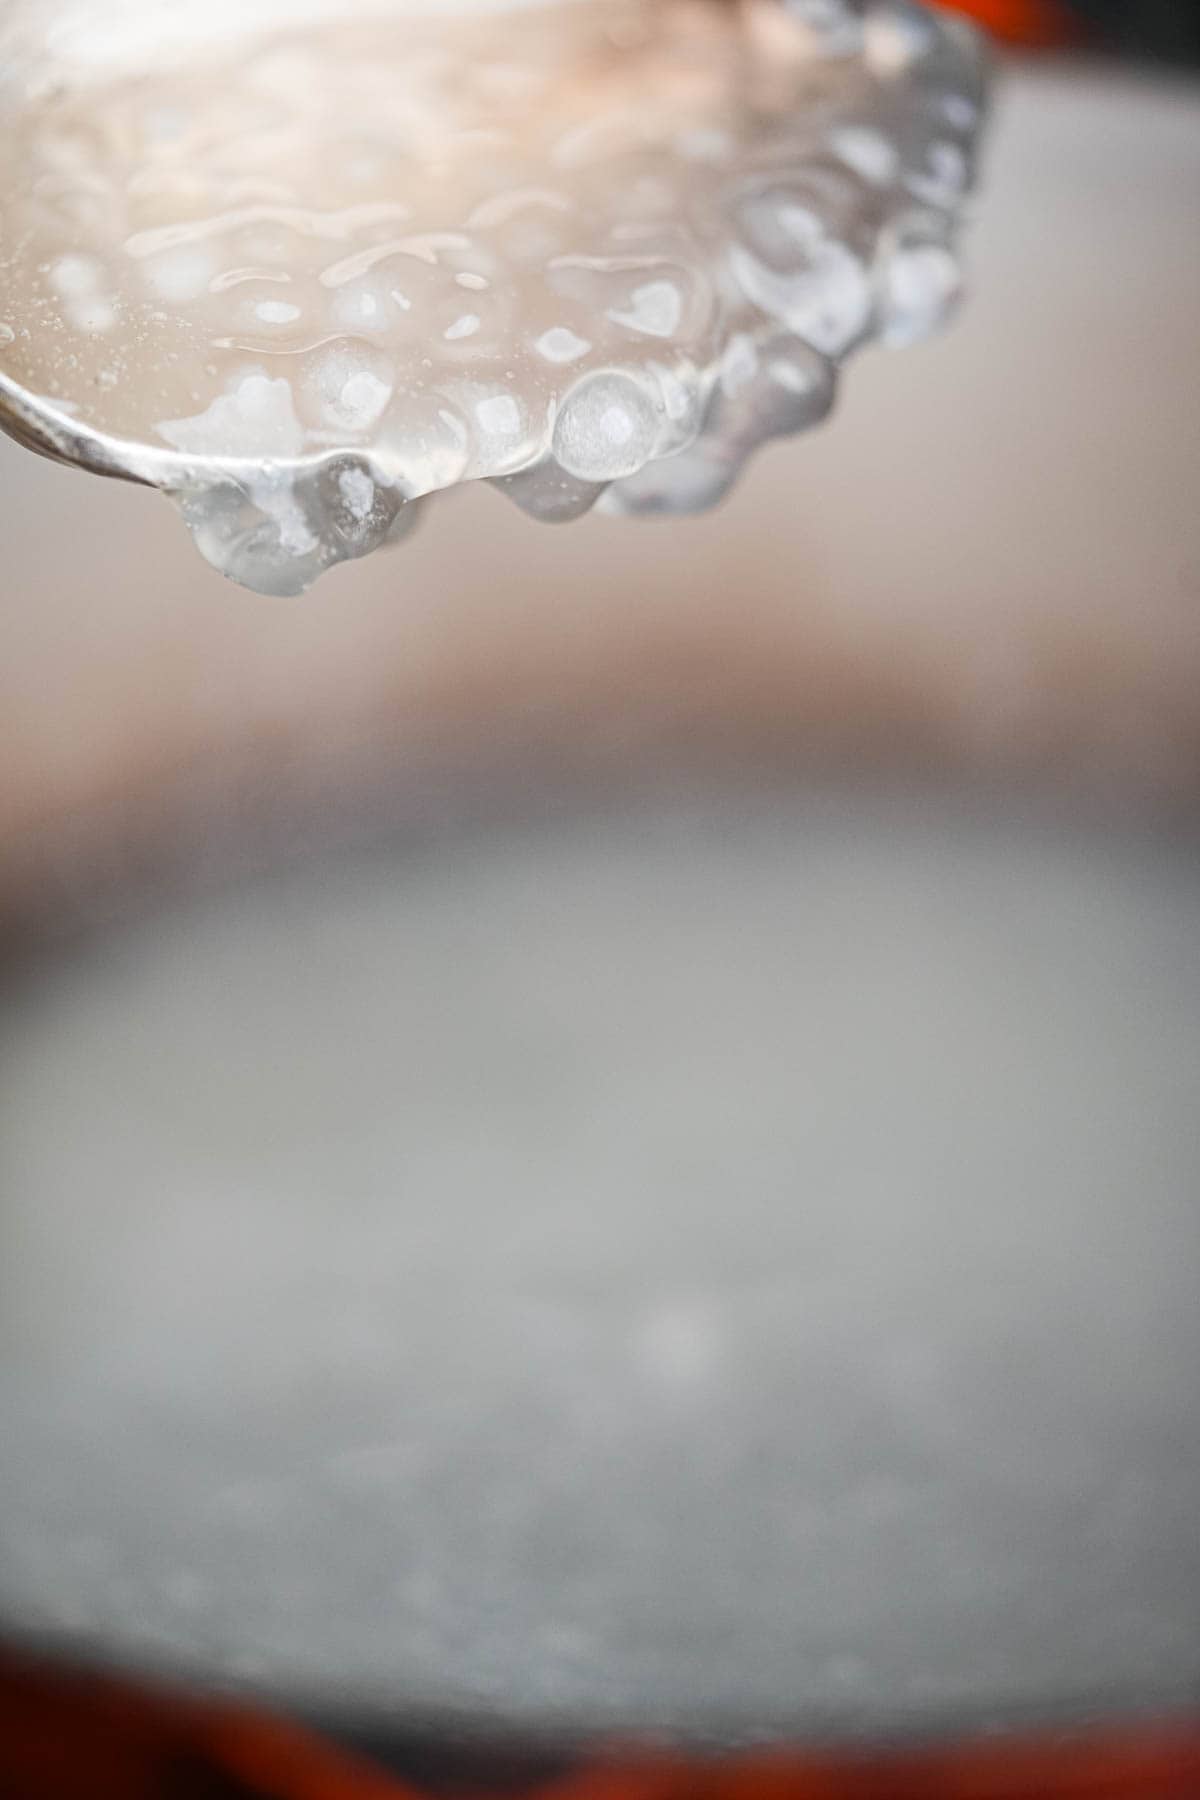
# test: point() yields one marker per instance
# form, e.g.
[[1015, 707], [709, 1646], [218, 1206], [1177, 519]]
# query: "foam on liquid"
[[301, 275]]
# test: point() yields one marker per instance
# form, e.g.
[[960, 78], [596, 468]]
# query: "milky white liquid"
[[718, 1266], [302, 274]]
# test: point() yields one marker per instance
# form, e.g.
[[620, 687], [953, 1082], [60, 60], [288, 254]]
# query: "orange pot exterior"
[[1034, 22], [66, 1735]]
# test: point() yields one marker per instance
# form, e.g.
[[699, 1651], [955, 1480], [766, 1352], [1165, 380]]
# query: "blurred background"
[[1159, 29], [599, 1127]]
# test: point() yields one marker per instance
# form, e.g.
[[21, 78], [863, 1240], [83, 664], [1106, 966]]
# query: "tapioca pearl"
[[369, 306], [654, 308], [867, 152], [683, 392], [920, 284], [778, 218], [423, 442], [472, 265], [180, 275], [265, 241], [943, 176], [960, 111], [259, 536], [692, 481], [530, 236], [346, 386], [790, 389], [895, 36], [382, 293], [608, 426], [265, 310], [476, 322], [739, 364], [827, 301], [93, 314], [547, 493], [836, 24], [504, 435], [644, 296], [352, 506], [276, 312], [559, 345], [778, 225], [256, 417], [793, 391], [75, 277]]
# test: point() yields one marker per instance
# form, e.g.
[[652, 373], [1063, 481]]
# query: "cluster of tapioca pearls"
[[640, 316]]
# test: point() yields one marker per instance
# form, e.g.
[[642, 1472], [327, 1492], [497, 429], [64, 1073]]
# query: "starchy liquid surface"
[[726, 1265]]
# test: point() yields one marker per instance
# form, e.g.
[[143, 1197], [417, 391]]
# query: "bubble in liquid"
[[589, 254]]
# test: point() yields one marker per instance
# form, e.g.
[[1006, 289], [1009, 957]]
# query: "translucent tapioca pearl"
[[255, 417], [609, 425], [266, 314], [423, 442], [897, 36], [867, 152], [181, 275], [826, 299], [919, 281], [356, 507], [345, 387], [548, 493], [647, 299], [773, 387], [690, 482], [943, 175], [789, 388], [776, 212], [462, 267], [76, 276], [560, 346], [260, 537]]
